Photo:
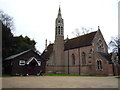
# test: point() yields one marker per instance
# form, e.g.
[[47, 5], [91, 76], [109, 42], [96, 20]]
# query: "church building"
[[84, 55]]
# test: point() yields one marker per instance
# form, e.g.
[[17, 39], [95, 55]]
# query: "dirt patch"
[[59, 82]]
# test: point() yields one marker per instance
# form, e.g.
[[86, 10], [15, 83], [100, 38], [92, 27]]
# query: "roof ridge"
[[15, 55], [83, 35], [81, 41]]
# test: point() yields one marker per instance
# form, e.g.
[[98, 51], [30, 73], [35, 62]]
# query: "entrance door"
[[30, 70], [32, 67]]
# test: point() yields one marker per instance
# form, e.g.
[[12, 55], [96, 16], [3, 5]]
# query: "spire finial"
[[59, 12], [98, 27], [59, 8], [46, 45], [59, 4]]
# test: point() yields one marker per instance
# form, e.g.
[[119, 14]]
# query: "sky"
[[36, 18]]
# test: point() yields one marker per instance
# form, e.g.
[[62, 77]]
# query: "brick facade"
[[84, 55], [92, 55]]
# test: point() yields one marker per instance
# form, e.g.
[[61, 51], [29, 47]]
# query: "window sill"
[[99, 69], [84, 65]]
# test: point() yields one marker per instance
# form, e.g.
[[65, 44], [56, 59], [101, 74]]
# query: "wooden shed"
[[28, 62]]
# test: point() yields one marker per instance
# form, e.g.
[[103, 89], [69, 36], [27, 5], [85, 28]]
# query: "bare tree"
[[76, 32], [84, 30], [114, 44], [6, 20]]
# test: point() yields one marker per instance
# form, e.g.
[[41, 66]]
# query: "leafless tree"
[[114, 44], [6, 20], [84, 30], [76, 32]]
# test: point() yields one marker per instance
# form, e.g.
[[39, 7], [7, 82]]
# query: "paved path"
[[59, 82]]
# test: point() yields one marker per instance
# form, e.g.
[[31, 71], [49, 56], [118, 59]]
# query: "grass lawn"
[[118, 77], [73, 75], [4, 75]]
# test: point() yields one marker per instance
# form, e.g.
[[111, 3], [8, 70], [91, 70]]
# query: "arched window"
[[58, 21], [90, 57], [83, 58], [59, 29], [99, 65], [73, 59]]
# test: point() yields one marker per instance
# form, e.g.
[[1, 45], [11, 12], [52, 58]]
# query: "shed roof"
[[16, 55]]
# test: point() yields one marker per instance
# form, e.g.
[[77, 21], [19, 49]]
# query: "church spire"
[[59, 30], [59, 12], [59, 44]]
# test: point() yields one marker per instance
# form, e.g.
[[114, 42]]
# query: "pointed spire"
[[59, 9], [59, 12]]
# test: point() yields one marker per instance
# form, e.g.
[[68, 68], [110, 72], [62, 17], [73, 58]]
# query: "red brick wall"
[[89, 68]]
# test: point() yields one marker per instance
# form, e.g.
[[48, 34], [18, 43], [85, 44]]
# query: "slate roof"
[[46, 54], [16, 55], [81, 41]]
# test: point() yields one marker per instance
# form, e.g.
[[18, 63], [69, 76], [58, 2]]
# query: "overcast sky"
[[36, 18]]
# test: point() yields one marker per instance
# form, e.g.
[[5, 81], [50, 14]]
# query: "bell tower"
[[59, 43], [59, 24]]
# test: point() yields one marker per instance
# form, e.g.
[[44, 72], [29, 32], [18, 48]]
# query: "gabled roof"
[[33, 58], [106, 56], [81, 41], [46, 54], [19, 54], [16, 55]]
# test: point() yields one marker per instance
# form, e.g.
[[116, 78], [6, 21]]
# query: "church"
[[83, 55]]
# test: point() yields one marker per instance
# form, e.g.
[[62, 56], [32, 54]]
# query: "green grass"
[[5, 75], [73, 75], [118, 77]]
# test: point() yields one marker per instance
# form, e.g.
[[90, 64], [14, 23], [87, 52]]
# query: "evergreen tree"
[[13, 44]]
